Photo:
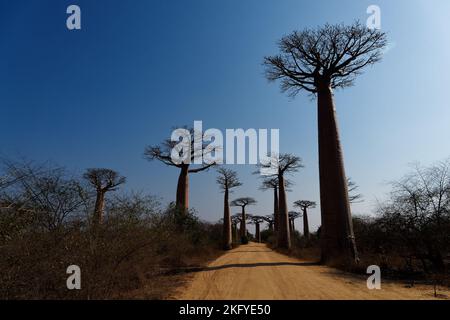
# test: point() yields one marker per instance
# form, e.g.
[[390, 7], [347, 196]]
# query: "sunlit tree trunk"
[[99, 207], [182, 201], [305, 224], [227, 235], [284, 238], [337, 239]]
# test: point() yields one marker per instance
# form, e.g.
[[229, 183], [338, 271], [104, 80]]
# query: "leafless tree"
[[353, 196], [163, 153], [243, 202], [270, 221], [235, 220], [304, 205], [285, 164], [318, 61], [227, 180], [271, 183], [44, 192], [292, 216], [257, 220], [103, 180]]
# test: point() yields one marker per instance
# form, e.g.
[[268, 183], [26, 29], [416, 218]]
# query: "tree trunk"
[[243, 228], [284, 238], [227, 236], [337, 238], [305, 224], [182, 202], [276, 209], [293, 226], [99, 207], [258, 233]]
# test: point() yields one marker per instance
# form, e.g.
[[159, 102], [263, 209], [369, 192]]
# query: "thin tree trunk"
[[243, 227], [337, 238], [293, 226], [99, 207], [276, 209], [284, 238], [182, 201], [258, 233], [305, 224], [227, 236]]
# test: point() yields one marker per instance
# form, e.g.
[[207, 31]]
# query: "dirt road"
[[254, 271]]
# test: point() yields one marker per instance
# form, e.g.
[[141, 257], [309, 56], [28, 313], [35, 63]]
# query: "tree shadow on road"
[[260, 264]]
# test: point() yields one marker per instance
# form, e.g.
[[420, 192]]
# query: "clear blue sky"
[[97, 97]]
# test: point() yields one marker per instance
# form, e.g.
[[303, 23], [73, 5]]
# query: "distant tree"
[[271, 183], [257, 220], [304, 205], [292, 216], [235, 220], [243, 202], [318, 61], [270, 221], [103, 180], [227, 180], [353, 197], [163, 154], [285, 164]]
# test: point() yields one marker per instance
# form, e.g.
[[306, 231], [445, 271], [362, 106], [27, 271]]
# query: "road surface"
[[254, 272]]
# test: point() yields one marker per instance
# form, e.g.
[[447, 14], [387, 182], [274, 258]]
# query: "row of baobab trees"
[[316, 61]]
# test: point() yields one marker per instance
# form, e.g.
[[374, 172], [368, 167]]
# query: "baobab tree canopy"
[[243, 202], [331, 55], [227, 179], [104, 179]]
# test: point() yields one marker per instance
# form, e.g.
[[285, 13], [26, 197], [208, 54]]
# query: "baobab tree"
[[243, 202], [256, 220], [271, 183], [318, 61], [163, 153], [285, 163], [235, 220], [270, 219], [227, 180], [292, 216], [103, 180], [304, 205]]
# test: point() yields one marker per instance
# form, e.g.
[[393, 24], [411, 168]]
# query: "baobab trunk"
[[293, 226], [258, 233], [305, 224], [243, 229], [227, 235], [337, 238], [276, 209], [284, 238], [182, 201], [99, 207]]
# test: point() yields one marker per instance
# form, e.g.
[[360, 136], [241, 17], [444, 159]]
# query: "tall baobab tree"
[[304, 205], [103, 180], [235, 220], [227, 180], [257, 220], [243, 202], [318, 61], [163, 153], [285, 163], [292, 216], [271, 183]]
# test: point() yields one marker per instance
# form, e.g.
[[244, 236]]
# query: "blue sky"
[[96, 97]]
